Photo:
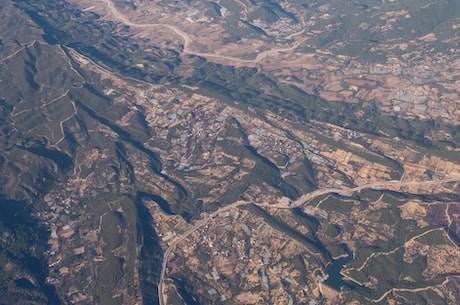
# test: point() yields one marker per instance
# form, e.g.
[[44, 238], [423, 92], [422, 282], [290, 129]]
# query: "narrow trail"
[[413, 290], [61, 124], [27, 45]]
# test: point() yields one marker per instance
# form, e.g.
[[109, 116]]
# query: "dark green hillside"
[[23, 268]]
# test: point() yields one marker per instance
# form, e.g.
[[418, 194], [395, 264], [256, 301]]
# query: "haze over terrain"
[[229, 152]]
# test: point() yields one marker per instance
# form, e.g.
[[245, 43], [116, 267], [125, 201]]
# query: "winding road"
[[188, 41], [384, 185]]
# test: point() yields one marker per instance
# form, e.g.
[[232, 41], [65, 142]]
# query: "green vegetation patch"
[[109, 273], [310, 222], [370, 195], [336, 250], [174, 298], [331, 230], [119, 234], [337, 204], [111, 229], [436, 237], [389, 216]]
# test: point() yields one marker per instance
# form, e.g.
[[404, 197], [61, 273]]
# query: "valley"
[[229, 152]]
